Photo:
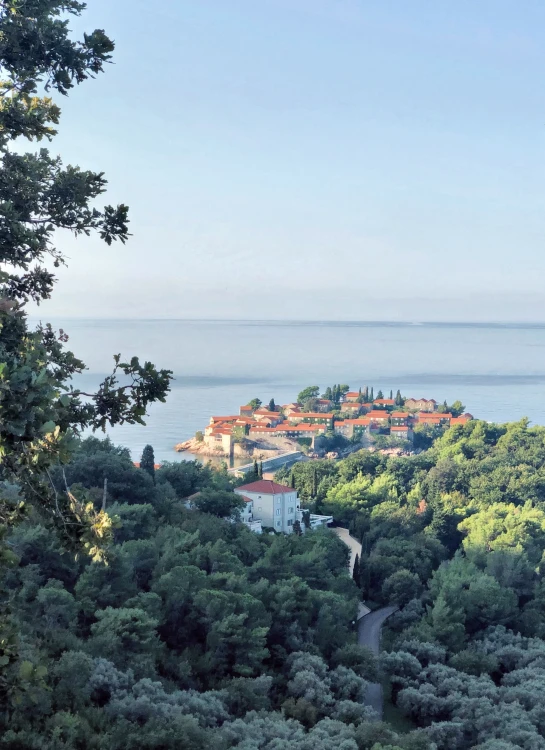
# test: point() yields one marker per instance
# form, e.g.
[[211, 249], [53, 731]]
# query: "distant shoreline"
[[501, 325]]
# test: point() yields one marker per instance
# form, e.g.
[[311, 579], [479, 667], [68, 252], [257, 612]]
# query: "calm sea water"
[[497, 371]]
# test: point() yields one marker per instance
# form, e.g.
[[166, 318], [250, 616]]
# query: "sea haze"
[[497, 370]]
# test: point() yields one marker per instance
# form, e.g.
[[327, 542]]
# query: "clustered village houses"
[[381, 416]]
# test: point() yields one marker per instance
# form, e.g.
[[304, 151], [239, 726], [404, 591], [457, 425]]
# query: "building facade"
[[421, 404], [276, 506]]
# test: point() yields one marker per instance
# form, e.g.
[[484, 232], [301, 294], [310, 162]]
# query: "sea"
[[496, 370]]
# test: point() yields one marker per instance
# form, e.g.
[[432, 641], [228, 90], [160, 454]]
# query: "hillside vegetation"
[[193, 633], [456, 537]]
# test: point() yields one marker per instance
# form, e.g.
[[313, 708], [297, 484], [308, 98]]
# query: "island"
[[333, 423]]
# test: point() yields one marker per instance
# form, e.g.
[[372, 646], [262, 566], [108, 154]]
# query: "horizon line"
[[314, 321]]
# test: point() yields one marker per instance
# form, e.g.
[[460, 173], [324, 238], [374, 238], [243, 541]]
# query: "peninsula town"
[[335, 422]]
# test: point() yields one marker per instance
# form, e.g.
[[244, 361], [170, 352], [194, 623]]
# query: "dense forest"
[[455, 536], [193, 632]]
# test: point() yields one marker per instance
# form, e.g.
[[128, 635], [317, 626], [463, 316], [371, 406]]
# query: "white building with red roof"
[[275, 506]]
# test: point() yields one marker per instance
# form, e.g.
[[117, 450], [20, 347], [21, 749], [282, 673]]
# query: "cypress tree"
[[399, 399], [372, 397], [147, 462], [261, 469], [391, 395], [272, 405], [256, 469], [356, 571], [292, 479], [366, 395]]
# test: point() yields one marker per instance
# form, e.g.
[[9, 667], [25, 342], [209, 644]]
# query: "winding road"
[[369, 624], [369, 628]]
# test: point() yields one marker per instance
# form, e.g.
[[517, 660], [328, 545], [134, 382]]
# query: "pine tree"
[[297, 528], [380, 394], [272, 405], [147, 462], [356, 571]]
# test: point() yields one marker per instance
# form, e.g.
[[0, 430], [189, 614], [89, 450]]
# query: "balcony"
[[254, 526], [316, 521]]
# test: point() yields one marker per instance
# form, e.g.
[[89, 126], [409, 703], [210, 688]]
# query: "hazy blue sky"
[[315, 159]]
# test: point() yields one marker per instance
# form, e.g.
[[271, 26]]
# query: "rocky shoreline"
[[250, 450], [197, 446]]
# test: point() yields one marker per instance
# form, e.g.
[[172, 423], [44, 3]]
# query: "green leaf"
[[48, 427], [26, 670]]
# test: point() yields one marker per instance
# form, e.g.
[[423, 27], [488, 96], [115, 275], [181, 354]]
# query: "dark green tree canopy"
[[147, 462], [40, 408], [312, 391]]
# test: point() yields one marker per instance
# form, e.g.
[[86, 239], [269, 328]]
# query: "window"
[[259, 507], [290, 510], [278, 501], [278, 523], [290, 522], [278, 511]]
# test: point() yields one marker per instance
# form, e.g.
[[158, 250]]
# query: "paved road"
[[369, 628], [355, 546]]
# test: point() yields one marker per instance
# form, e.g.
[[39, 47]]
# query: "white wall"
[[274, 510]]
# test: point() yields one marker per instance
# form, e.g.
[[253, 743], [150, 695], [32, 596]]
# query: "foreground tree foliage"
[[40, 409]]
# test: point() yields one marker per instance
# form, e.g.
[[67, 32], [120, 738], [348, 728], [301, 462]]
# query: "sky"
[[313, 159]]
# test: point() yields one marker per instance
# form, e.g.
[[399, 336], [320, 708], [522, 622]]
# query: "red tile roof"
[[459, 420], [266, 487], [311, 414]]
